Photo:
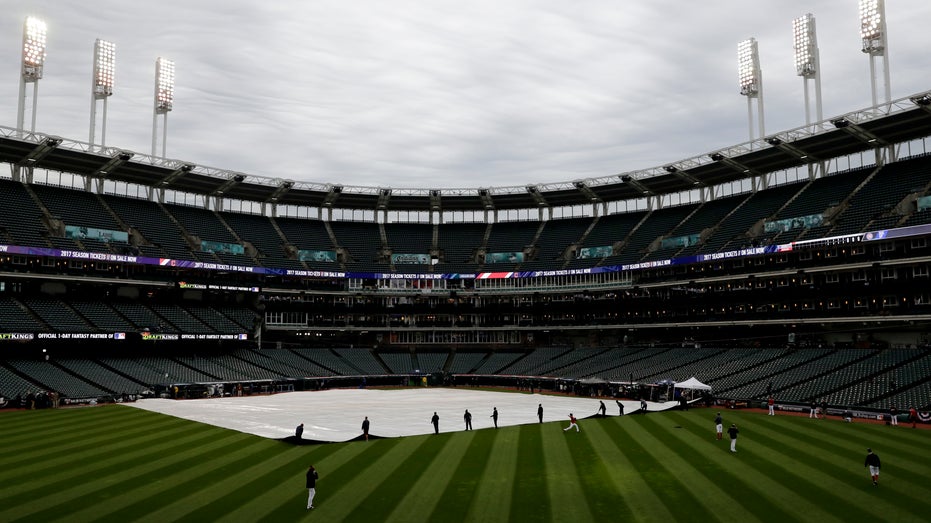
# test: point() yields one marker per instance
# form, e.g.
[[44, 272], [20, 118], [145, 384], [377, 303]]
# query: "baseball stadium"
[[165, 326]]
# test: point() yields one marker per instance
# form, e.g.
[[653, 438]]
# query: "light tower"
[[102, 86], [873, 34], [750, 80], [164, 97], [34, 31], [808, 63]]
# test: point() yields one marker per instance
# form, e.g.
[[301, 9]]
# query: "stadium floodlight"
[[102, 85], [104, 66], [164, 100], [750, 80], [164, 85], [34, 54], [873, 35], [34, 39], [807, 62]]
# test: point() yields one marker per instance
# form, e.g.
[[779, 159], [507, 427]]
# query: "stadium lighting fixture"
[[34, 54], [873, 35], [102, 85], [164, 101], [750, 81], [807, 62]]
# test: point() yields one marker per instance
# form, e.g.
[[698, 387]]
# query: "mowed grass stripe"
[[292, 495], [567, 494], [591, 465], [384, 499], [19, 429], [529, 494], [663, 482], [387, 466], [718, 503], [709, 463], [336, 471], [635, 499], [62, 484], [766, 480], [204, 490], [57, 448], [147, 486], [771, 463], [451, 482], [287, 464], [424, 495], [828, 468], [842, 439], [491, 502]]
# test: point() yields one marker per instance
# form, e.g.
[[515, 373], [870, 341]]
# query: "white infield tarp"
[[337, 414]]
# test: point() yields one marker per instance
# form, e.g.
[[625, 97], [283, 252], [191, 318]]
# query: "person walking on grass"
[[572, 423], [732, 432], [436, 423], [719, 426], [365, 428], [872, 461], [311, 486]]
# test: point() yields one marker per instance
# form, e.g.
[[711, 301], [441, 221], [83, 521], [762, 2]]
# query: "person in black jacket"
[[540, 412], [299, 431], [436, 423], [468, 419], [872, 461], [732, 432], [365, 428], [494, 416], [311, 486], [602, 409]]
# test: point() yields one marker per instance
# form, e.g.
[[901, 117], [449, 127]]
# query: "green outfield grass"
[[121, 464]]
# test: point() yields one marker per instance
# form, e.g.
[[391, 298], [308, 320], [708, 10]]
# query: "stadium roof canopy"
[[888, 124]]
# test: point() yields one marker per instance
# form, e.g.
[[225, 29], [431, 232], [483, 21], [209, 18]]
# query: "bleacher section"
[[556, 237], [363, 241], [457, 243], [20, 217]]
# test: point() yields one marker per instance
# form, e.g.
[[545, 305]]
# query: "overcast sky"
[[447, 94]]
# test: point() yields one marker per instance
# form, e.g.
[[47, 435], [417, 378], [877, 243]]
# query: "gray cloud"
[[409, 93]]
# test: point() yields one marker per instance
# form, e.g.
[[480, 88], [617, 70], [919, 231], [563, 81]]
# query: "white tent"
[[692, 383]]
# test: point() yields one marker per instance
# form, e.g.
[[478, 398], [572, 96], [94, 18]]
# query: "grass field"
[[121, 464]]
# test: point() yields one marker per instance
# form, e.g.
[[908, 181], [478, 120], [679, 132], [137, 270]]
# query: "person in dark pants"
[[468, 419], [732, 432], [872, 461], [436, 423], [494, 416], [620, 407], [311, 486], [299, 431], [365, 428], [602, 409], [540, 412]]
